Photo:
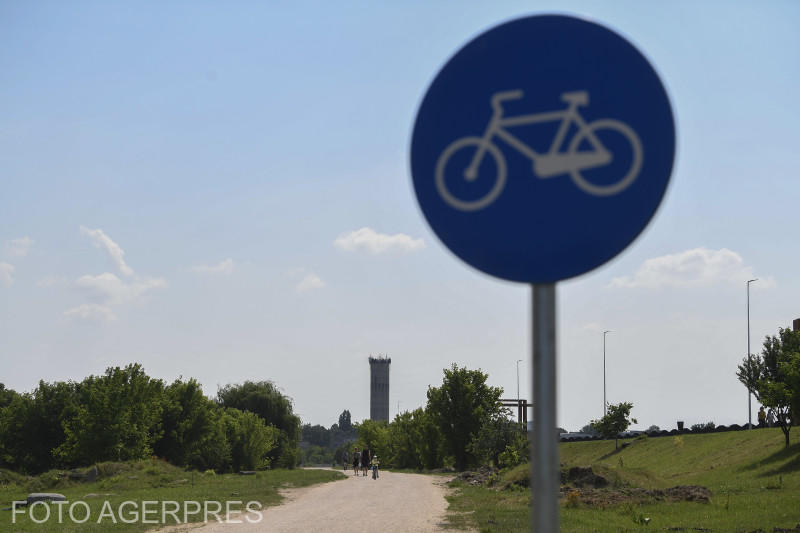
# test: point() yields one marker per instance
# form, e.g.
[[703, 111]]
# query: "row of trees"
[[774, 377], [321, 445], [125, 415], [462, 425]]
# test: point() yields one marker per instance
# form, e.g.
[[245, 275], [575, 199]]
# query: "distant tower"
[[379, 388]]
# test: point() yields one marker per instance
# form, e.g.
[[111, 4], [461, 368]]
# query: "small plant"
[[510, 457], [573, 499], [633, 512]]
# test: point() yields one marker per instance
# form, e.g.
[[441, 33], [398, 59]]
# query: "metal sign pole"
[[544, 452]]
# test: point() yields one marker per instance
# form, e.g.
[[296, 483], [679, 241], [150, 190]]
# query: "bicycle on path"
[[545, 165]]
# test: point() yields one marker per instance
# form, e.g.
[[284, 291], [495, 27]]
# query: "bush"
[[501, 442], [573, 499], [708, 426]]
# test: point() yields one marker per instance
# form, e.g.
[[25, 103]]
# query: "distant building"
[[379, 388], [796, 324]]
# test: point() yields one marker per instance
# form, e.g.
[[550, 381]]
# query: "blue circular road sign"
[[542, 148]]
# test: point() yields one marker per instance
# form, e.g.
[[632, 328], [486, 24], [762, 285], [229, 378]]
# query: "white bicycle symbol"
[[553, 163]]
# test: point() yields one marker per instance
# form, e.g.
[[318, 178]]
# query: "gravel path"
[[392, 503]]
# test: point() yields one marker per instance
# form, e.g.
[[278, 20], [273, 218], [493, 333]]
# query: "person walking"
[[771, 418], [356, 460], [762, 417], [344, 459], [365, 460]]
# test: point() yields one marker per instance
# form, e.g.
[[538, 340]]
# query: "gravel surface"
[[394, 502]]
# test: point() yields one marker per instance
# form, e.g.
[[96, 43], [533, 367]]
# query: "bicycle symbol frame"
[[550, 164]]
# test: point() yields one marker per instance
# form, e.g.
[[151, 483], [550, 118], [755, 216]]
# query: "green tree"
[[250, 440], [264, 399], [316, 435], [407, 438], [374, 434], [117, 418], [186, 420], [6, 396], [345, 423], [501, 437], [415, 441], [213, 451], [774, 377], [616, 420], [31, 426], [460, 407]]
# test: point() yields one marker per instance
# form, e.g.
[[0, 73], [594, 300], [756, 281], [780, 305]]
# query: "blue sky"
[[222, 192]]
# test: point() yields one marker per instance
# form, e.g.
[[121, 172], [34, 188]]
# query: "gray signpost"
[[539, 207]]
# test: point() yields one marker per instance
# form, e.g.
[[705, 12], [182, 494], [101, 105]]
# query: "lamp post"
[[604, 370], [749, 359], [518, 362]]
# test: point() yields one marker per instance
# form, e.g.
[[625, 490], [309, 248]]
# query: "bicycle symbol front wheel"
[[462, 152], [635, 148]]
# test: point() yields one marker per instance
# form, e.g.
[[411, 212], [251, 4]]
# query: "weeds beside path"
[[138, 482], [753, 482]]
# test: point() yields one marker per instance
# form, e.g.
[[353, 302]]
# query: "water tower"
[[379, 387]]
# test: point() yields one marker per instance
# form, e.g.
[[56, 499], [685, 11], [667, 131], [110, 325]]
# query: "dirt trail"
[[392, 503]]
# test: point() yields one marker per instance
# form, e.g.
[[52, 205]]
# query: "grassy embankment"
[[754, 480], [150, 480]]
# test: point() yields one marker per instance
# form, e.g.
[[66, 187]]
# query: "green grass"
[[755, 483], [150, 480]]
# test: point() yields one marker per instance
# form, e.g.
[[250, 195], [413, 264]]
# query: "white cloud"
[[107, 289], [19, 247], [368, 240], [310, 282], [224, 267], [91, 312], [113, 291], [697, 267], [101, 240], [6, 274]]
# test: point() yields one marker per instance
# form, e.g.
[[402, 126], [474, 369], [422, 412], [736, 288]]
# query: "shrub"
[[708, 426], [573, 499]]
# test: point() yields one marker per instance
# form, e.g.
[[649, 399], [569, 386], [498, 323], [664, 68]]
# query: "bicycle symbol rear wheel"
[[636, 157], [473, 144]]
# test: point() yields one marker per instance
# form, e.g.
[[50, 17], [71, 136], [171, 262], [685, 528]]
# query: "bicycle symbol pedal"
[[553, 163]]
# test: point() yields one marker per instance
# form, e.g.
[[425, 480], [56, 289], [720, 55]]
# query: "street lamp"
[[518, 362], [604, 371], [749, 359]]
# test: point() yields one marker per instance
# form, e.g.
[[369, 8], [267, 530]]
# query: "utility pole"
[[604, 371], [749, 359]]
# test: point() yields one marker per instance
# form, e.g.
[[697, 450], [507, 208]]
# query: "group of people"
[[766, 419], [363, 461]]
